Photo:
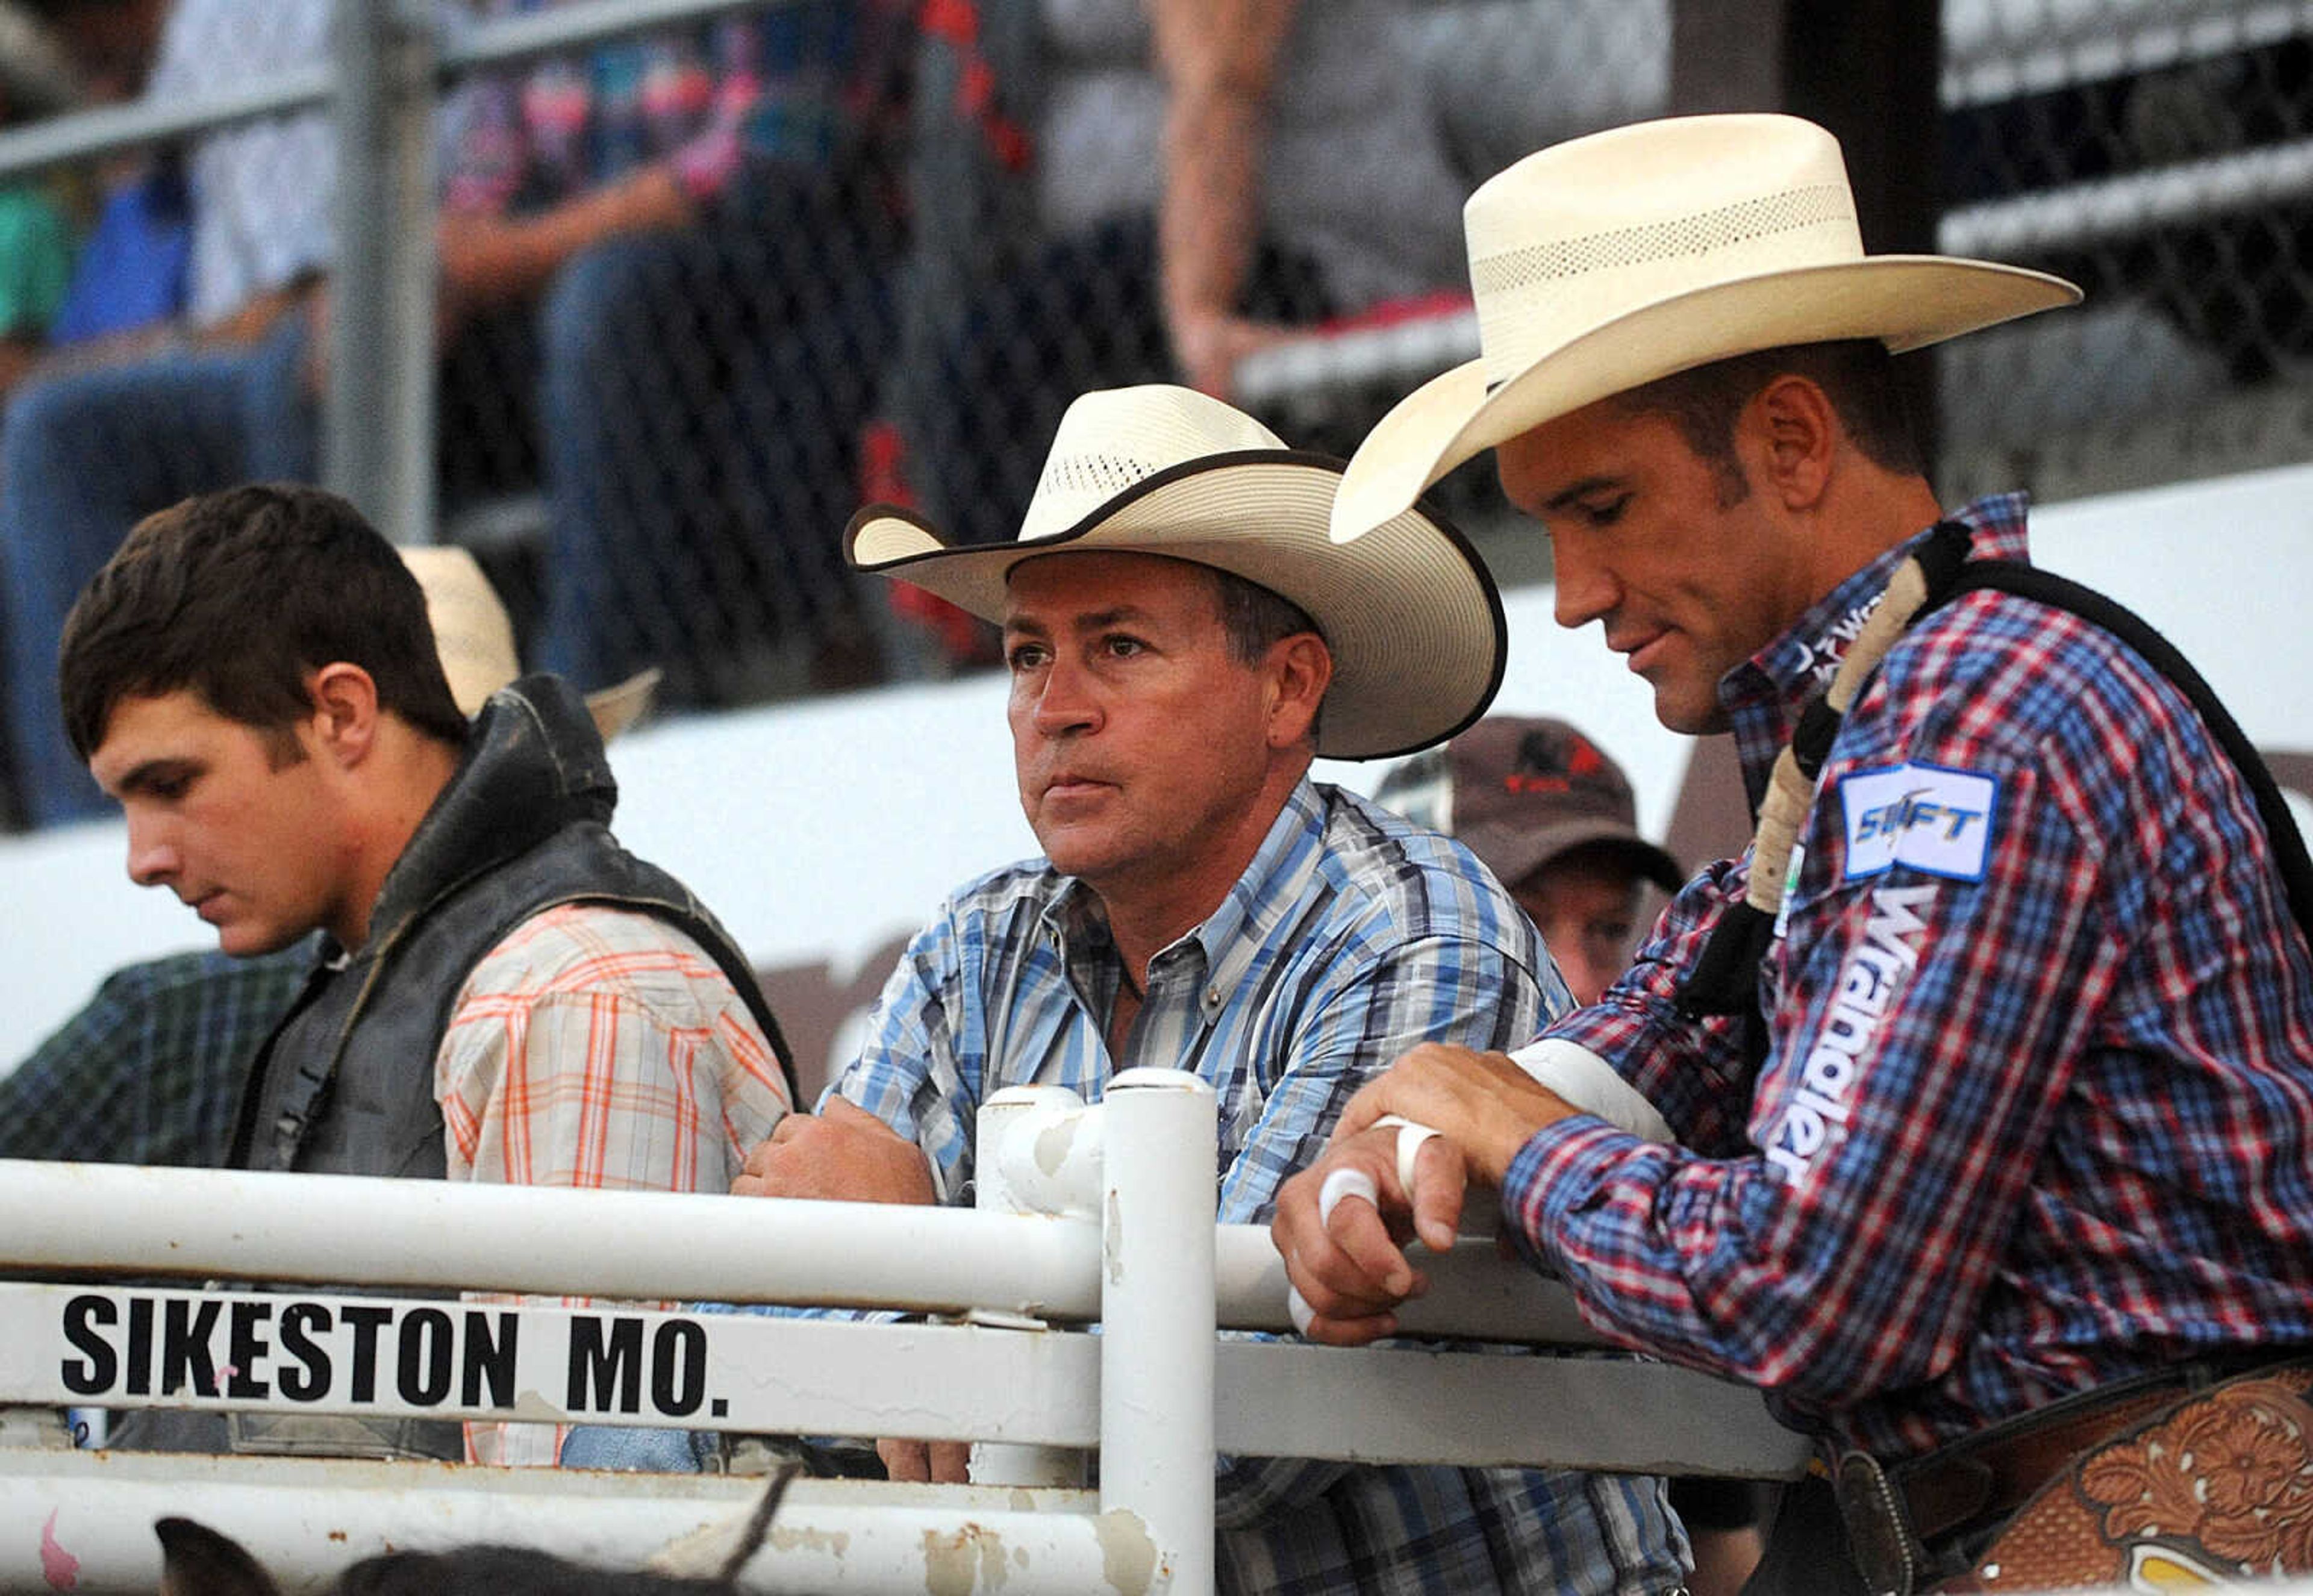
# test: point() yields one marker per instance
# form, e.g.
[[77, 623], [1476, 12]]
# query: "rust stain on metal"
[[957, 1564], [1128, 1555]]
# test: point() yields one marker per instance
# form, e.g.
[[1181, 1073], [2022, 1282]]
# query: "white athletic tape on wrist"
[[1410, 1137], [1341, 1184], [1589, 1084]]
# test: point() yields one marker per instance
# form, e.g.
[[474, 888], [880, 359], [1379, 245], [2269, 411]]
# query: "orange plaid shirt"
[[598, 1047]]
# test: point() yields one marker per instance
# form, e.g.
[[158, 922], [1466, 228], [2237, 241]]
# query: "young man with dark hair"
[[1990, 1064], [505, 994]]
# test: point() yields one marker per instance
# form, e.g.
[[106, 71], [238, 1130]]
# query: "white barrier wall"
[[820, 831]]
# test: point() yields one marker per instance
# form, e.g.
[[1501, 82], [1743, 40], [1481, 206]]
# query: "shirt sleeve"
[[602, 1048], [911, 1074], [1843, 1250], [1481, 993]]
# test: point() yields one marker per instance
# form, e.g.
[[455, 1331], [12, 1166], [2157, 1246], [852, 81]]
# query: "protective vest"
[[345, 1085]]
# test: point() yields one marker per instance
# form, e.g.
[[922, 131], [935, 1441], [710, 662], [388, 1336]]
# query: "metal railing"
[[1092, 1214]]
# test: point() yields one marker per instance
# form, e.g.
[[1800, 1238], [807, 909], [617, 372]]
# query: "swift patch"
[[1930, 818]]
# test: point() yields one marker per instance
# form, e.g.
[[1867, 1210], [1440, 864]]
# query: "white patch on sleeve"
[[1930, 818]]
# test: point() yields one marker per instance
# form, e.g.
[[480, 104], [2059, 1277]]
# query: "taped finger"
[[1344, 1183], [1410, 1137]]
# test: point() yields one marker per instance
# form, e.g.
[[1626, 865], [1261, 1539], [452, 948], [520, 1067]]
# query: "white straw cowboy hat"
[[1609, 261], [1409, 614], [474, 636]]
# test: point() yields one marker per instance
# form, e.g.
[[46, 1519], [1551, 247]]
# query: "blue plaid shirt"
[[150, 1071], [2038, 1109], [1351, 937]]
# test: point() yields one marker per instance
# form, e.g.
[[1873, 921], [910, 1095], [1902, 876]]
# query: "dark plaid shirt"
[[149, 1071], [2038, 1111]]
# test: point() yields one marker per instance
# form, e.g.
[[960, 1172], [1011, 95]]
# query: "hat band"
[[1536, 298]]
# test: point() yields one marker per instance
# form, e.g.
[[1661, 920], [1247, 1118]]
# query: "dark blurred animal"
[[198, 1561]]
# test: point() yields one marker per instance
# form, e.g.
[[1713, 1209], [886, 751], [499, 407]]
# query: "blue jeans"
[[638, 1452], [700, 397], [83, 456]]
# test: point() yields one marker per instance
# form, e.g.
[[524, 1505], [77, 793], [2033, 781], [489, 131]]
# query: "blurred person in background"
[[644, 203], [1554, 818], [1146, 190], [678, 249], [215, 396]]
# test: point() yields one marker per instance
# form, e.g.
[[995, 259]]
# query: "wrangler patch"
[[1867, 986]]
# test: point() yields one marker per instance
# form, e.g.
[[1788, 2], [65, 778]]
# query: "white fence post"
[[1157, 1200], [1037, 1152]]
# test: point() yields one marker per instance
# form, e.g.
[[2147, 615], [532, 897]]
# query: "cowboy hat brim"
[[1411, 616], [1906, 301]]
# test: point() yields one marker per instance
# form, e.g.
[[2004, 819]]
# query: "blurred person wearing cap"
[[1182, 641], [504, 994], [1555, 821], [1990, 1065], [1554, 818]]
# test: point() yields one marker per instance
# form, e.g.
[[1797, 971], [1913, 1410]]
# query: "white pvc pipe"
[[1038, 1153], [306, 1521], [1156, 1342], [641, 1246], [1023, 1139]]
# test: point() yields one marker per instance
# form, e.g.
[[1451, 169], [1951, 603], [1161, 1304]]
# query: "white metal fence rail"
[[1092, 1214]]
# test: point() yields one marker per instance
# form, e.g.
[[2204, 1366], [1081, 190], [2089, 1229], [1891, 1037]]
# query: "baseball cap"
[[1521, 792]]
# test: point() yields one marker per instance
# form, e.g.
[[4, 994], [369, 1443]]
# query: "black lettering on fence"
[[185, 1331], [247, 1349], [299, 1323], [678, 1353], [489, 1356], [365, 1322], [94, 1376], [140, 1346], [594, 1367], [425, 1374]]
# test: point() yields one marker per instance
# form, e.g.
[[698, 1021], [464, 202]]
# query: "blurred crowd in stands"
[[702, 292]]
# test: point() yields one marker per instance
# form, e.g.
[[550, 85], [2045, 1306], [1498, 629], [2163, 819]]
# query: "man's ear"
[[1792, 431], [198, 1561], [1300, 669], [344, 710]]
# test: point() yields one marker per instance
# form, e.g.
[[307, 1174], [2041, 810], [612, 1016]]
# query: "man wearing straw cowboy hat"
[[505, 994], [1994, 1091], [1182, 641]]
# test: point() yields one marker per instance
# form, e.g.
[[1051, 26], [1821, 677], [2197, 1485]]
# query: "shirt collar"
[[1763, 696], [1231, 937]]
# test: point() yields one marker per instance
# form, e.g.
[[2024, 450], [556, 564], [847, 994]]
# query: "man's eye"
[[1121, 647], [1606, 513], [1023, 656]]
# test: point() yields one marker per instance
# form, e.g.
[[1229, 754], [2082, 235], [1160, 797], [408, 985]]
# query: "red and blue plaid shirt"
[[2037, 1110]]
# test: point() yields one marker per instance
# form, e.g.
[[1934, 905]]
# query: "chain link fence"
[[703, 285]]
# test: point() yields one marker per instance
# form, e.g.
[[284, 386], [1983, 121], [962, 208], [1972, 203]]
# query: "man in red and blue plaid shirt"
[[2027, 1118]]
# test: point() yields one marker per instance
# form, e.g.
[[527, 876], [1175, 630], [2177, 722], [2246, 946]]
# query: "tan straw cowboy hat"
[[1608, 261], [474, 636], [1409, 614]]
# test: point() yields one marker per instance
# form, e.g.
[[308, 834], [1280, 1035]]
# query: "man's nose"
[[1066, 703], [1583, 590], [151, 852]]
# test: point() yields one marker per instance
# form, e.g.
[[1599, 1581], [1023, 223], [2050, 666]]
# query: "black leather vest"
[[345, 1085]]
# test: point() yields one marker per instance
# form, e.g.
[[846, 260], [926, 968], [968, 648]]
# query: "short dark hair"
[[1255, 617], [1855, 374], [239, 596]]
